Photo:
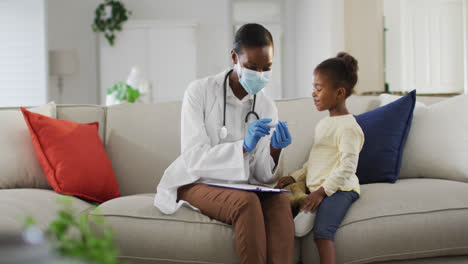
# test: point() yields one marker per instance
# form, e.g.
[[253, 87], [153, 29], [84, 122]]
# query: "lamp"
[[62, 62]]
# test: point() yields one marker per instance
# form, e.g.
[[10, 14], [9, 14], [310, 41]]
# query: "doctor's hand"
[[285, 181], [255, 131], [281, 137]]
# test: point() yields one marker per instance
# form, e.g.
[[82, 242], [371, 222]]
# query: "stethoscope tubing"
[[251, 112], [223, 132]]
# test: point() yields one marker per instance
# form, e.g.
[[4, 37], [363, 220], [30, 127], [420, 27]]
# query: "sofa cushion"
[[19, 165], [443, 152], [142, 140], [84, 114], [413, 218], [431, 155], [42, 205], [143, 232], [385, 131], [386, 99]]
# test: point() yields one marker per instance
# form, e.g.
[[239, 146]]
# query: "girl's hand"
[[285, 181], [312, 202]]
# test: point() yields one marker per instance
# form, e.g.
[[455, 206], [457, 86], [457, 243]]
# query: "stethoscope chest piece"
[[223, 133]]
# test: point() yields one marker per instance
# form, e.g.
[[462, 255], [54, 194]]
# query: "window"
[[425, 45], [23, 53]]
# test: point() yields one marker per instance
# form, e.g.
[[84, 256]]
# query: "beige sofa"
[[413, 221]]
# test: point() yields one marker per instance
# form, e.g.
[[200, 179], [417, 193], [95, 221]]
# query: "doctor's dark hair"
[[251, 35], [341, 71]]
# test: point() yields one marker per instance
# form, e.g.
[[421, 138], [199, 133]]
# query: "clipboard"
[[247, 187]]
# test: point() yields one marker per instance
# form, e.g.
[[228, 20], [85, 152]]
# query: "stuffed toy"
[[299, 192]]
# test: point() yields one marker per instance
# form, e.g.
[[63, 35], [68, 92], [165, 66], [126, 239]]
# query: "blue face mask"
[[252, 81]]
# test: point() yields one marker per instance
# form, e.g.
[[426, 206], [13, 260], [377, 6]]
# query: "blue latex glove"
[[281, 137], [255, 131]]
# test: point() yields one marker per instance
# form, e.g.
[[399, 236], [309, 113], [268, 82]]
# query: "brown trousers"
[[263, 222]]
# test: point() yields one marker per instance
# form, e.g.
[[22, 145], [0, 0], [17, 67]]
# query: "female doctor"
[[227, 137]]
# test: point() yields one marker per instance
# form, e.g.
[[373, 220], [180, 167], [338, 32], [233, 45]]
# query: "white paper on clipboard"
[[246, 187]]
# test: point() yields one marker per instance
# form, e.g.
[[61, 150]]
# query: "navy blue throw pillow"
[[385, 131]]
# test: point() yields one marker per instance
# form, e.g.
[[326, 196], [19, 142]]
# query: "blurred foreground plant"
[[72, 237]]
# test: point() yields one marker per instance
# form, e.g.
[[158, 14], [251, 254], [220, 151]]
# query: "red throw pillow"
[[72, 157]]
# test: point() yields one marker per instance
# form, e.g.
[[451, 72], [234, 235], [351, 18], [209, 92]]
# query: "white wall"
[[23, 60], [215, 29], [393, 42], [314, 32], [465, 34], [364, 40], [69, 27], [164, 52], [289, 49]]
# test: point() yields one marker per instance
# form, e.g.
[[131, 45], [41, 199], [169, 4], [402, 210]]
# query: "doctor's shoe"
[[303, 223]]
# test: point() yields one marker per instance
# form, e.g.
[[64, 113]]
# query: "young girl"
[[331, 185]]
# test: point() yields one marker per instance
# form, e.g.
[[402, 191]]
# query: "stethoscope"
[[223, 131]]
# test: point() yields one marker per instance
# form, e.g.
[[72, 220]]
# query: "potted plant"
[[121, 92], [110, 16]]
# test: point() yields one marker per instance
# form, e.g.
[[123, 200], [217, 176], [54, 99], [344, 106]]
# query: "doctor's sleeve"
[[220, 162]]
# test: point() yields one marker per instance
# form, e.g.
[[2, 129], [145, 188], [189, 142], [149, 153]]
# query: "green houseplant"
[[110, 16], [72, 236], [124, 92]]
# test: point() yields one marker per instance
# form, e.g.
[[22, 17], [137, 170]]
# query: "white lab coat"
[[206, 157]]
